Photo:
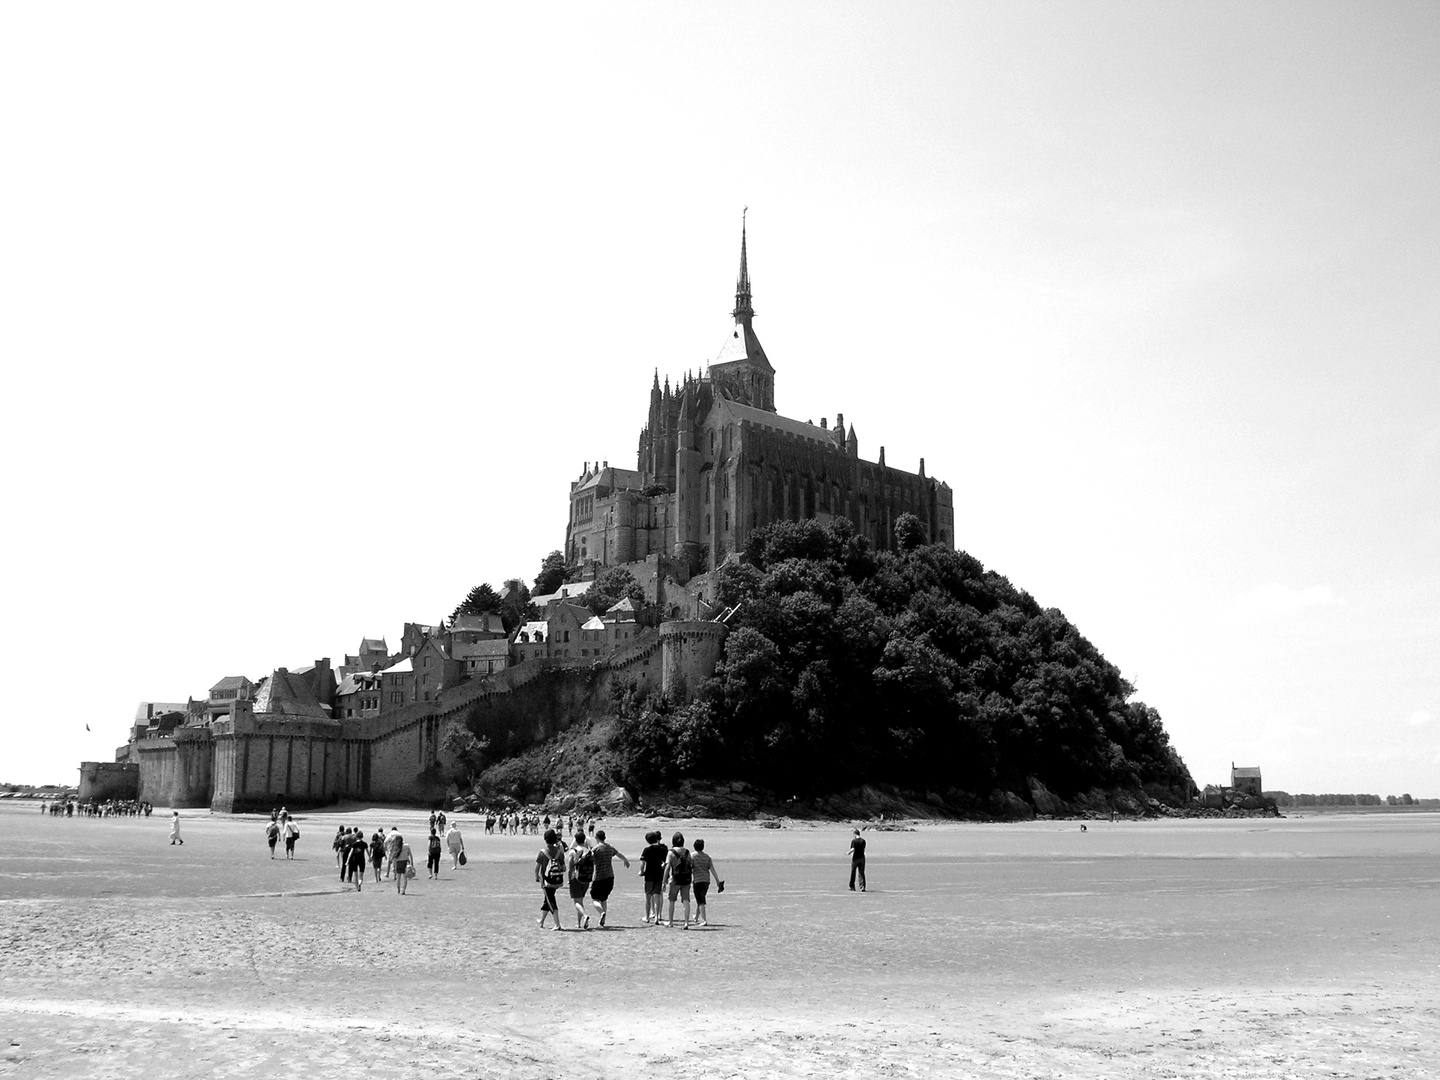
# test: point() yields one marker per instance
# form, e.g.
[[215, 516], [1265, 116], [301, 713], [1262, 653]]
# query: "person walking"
[[377, 852], [550, 875], [355, 853], [456, 843], [272, 835], [291, 832], [393, 843], [605, 853], [404, 859], [580, 862], [857, 860], [175, 828], [652, 869], [704, 869], [432, 856], [679, 872]]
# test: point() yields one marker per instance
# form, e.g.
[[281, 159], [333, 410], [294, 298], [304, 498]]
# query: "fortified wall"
[[251, 761], [103, 780]]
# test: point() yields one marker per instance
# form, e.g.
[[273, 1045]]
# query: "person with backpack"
[[580, 861], [550, 875], [355, 852], [377, 852], [272, 835], [679, 873]]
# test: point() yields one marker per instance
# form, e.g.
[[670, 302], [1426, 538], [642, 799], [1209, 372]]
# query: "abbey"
[[716, 461]]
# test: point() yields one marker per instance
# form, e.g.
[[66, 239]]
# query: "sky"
[[309, 315]]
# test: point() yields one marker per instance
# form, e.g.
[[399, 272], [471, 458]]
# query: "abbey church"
[[716, 461]]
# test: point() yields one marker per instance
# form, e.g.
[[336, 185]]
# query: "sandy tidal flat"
[[1292, 948]]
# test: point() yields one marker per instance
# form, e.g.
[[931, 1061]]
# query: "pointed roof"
[[743, 312], [287, 694]]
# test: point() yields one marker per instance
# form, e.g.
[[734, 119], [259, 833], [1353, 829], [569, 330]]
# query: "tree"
[[553, 571], [515, 604], [610, 588], [480, 600], [909, 532]]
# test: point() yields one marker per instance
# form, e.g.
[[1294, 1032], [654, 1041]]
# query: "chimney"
[[824, 423]]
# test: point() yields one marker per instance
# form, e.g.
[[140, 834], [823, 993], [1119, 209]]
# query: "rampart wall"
[[102, 780], [252, 762]]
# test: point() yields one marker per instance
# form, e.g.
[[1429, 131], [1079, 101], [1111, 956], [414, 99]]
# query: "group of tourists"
[[587, 867], [282, 827], [108, 808], [531, 823]]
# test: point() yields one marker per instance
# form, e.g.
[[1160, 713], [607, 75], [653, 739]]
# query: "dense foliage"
[[553, 570], [610, 587], [918, 668]]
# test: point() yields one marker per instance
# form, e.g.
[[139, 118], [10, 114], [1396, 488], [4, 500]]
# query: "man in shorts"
[[605, 854], [652, 869], [679, 872], [580, 864]]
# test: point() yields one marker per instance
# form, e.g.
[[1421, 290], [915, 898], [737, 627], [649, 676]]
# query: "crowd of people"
[[108, 808], [532, 823]]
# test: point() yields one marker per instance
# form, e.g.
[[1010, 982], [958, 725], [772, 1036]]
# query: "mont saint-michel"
[[717, 464]]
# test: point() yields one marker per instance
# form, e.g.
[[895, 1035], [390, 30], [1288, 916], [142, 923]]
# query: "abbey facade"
[[717, 461]]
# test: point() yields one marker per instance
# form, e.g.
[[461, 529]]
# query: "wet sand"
[[1292, 948]]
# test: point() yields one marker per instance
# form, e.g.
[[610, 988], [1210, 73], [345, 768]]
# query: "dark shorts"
[[601, 889], [400, 865], [578, 889], [654, 888], [549, 904], [701, 888]]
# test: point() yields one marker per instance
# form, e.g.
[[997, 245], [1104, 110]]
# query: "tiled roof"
[[776, 422], [495, 647], [230, 682], [285, 694], [373, 645], [742, 344], [488, 622]]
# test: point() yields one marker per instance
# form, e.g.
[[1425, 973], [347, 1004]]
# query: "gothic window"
[[727, 520]]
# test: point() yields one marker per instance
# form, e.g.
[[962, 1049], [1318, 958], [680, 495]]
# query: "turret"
[[688, 506]]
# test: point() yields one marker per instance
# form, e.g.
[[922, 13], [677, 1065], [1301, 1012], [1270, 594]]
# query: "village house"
[[373, 654]]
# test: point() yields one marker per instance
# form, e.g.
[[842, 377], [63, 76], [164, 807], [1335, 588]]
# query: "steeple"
[[743, 312]]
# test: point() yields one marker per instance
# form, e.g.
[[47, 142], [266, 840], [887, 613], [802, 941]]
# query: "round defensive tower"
[[689, 651]]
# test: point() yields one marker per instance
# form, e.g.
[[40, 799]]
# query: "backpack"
[[554, 869], [272, 831], [684, 870], [585, 865]]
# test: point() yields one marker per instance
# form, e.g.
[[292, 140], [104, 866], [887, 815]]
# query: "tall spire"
[[743, 312]]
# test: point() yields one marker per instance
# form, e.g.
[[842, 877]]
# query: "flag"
[[87, 727]]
